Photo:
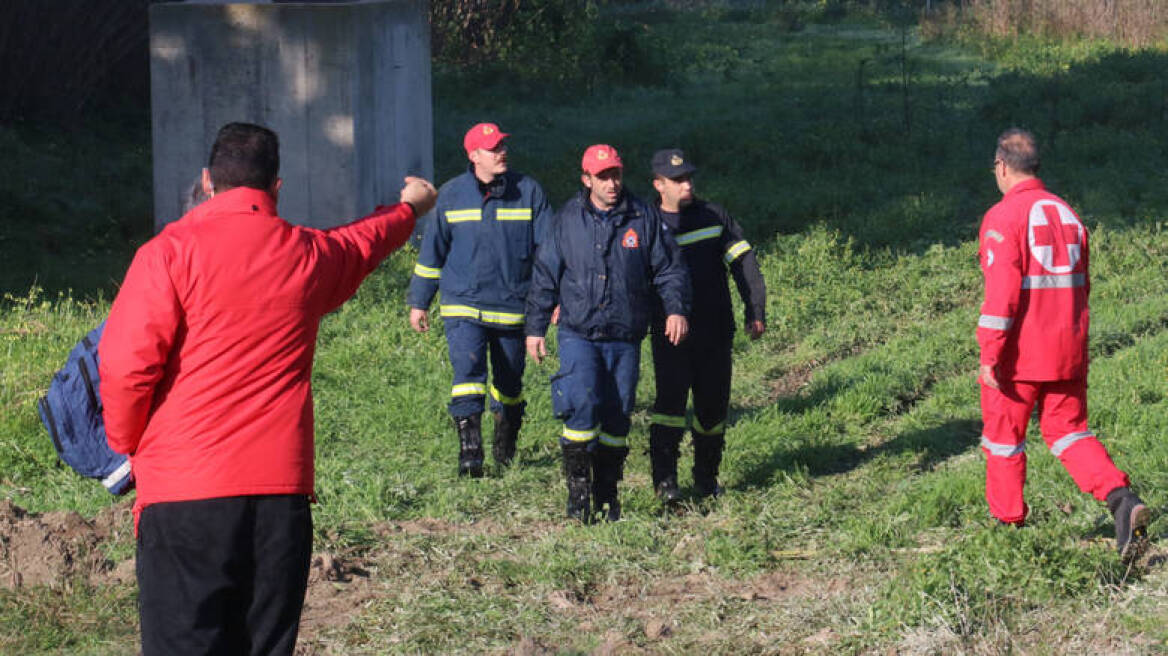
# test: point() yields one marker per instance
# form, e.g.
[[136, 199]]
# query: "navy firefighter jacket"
[[711, 242], [606, 270], [480, 248]]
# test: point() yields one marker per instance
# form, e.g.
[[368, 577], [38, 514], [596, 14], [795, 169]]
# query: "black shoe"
[[470, 442], [668, 491], [578, 475], [507, 424], [1021, 523], [664, 449], [707, 461], [712, 491], [608, 463], [1131, 524]]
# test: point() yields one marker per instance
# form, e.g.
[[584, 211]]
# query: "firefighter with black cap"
[[712, 244]]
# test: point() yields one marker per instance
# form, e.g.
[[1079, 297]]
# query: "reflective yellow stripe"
[[513, 214], [736, 249], [580, 435], [668, 420], [701, 430], [504, 399], [468, 312], [613, 440], [458, 311], [423, 271], [459, 216], [505, 318], [687, 238], [468, 389]]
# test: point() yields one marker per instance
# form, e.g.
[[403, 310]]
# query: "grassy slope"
[[854, 518]]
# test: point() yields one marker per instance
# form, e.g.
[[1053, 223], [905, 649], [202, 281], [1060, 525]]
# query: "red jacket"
[[1034, 318], [206, 359]]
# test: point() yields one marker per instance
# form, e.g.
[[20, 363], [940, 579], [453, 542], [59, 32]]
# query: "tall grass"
[[1131, 23]]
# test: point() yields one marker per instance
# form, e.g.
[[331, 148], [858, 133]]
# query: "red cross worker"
[[1033, 337]]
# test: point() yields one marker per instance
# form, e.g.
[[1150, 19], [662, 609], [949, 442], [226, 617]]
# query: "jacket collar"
[[496, 188], [622, 209], [239, 199], [1030, 184]]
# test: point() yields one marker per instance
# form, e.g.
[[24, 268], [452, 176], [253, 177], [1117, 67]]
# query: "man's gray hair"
[[1019, 150]]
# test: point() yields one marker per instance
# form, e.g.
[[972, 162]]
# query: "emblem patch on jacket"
[[630, 239]]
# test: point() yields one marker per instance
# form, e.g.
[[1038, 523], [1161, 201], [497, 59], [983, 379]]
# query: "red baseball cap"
[[600, 157], [483, 135]]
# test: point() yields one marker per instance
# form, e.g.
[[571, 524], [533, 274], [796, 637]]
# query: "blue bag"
[[71, 411]]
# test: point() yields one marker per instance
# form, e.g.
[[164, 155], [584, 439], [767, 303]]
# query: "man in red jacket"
[[1033, 337], [206, 363]]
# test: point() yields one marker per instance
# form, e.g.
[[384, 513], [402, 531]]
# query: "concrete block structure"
[[346, 85]]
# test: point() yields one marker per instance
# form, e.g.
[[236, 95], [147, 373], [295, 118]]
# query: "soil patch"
[[56, 548], [338, 588]]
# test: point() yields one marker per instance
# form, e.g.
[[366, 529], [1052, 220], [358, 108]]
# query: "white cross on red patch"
[[1055, 236]]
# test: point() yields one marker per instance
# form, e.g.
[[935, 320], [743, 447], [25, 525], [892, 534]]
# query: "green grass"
[[854, 519]]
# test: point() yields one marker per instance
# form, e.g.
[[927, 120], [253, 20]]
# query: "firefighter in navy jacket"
[[711, 241], [478, 252], [605, 263], [1033, 337]]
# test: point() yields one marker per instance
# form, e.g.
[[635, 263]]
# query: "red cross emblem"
[[1055, 236]]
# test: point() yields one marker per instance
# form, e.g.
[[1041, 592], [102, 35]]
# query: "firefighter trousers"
[[1062, 413], [595, 388], [700, 365], [469, 345]]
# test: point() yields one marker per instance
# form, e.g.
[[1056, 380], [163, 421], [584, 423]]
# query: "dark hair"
[[1019, 150], [244, 155]]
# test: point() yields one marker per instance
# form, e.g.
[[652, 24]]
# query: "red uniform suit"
[[1033, 332]]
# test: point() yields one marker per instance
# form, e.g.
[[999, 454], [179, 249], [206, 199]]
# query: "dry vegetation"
[[1133, 23]]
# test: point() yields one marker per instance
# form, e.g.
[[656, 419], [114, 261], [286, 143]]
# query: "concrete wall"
[[345, 85]]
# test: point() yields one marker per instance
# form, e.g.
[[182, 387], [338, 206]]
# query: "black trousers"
[[223, 576], [701, 365]]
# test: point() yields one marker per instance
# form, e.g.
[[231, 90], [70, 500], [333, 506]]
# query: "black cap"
[[671, 163]]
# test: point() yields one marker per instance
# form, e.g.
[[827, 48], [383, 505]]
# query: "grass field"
[[858, 159]]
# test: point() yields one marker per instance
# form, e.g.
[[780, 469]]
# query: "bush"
[[559, 42]]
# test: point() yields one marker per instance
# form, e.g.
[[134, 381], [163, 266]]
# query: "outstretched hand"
[[419, 193]]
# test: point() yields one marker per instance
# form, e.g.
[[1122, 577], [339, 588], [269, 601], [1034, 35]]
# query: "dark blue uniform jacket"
[[480, 248], [605, 271]]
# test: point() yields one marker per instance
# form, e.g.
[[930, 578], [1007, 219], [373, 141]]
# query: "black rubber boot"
[[1131, 523], [507, 424], [707, 460], [578, 474], [470, 443], [664, 449], [608, 468]]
